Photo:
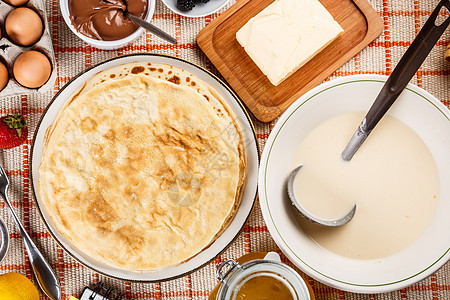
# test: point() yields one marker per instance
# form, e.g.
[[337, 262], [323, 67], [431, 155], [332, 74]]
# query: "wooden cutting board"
[[361, 26]]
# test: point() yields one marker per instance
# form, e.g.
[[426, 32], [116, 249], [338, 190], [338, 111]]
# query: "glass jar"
[[256, 276]]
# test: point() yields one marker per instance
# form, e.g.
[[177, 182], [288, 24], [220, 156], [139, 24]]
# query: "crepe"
[[141, 172]]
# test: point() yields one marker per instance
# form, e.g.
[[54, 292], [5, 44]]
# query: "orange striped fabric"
[[402, 20]]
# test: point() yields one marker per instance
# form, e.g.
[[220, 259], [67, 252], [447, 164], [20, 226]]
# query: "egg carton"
[[10, 51]]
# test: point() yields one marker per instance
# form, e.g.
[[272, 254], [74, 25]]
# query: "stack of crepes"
[[144, 167]]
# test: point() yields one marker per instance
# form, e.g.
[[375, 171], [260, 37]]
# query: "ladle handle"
[[400, 77]]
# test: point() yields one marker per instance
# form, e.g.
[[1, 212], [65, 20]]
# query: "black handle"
[[400, 77], [407, 66]]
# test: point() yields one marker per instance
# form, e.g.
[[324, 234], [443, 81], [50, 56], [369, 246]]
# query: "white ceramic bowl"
[[200, 9], [428, 117], [106, 45]]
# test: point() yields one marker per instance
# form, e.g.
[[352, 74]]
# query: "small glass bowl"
[[237, 275]]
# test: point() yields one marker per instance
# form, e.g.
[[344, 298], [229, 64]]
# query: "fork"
[[45, 276]]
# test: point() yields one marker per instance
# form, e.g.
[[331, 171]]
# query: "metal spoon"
[[394, 86], [152, 28], [47, 280]]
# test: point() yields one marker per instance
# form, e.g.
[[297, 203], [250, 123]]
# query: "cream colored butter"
[[286, 35]]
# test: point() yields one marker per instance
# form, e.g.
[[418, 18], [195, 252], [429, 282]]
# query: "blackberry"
[[185, 5]]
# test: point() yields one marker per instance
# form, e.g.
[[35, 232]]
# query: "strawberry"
[[13, 131]]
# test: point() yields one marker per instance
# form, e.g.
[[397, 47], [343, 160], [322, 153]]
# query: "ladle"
[[395, 84]]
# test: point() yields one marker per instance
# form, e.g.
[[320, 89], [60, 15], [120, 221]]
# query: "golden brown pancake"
[[141, 172]]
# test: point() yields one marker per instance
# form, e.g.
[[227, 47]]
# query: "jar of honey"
[[260, 279]]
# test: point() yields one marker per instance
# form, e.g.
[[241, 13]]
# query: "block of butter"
[[286, 35]]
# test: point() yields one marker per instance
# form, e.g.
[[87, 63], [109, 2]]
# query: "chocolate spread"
[[104, 19]]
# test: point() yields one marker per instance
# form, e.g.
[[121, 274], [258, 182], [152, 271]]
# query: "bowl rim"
[[106, 45], [189, 14], [275, 232], [5, 240]]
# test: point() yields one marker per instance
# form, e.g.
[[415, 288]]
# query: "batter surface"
[[392, 178]]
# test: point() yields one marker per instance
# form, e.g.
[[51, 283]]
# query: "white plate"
[[419, 110], [199, 10], [249, 195]]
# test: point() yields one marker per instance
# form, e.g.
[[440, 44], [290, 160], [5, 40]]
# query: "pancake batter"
[[392, 178]]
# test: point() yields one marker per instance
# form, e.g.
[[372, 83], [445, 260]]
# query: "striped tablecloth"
[[402, 19]]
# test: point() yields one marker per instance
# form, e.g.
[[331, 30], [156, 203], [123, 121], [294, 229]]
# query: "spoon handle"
[[400, 77], [153, 29], [42, 270]]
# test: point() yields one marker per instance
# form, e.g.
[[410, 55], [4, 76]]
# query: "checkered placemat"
[[402, 20]]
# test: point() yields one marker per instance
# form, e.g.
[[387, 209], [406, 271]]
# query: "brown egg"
[[32, 69], [3, 76], [17, 2], [24, 26]]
